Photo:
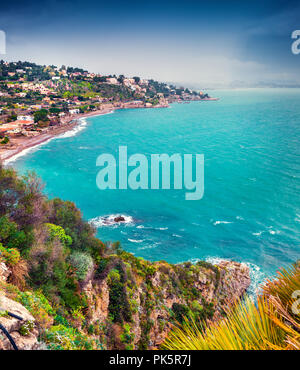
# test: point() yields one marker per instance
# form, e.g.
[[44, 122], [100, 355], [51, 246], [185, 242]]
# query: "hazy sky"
[[200, 43]]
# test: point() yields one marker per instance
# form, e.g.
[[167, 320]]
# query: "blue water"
[[250, 211]]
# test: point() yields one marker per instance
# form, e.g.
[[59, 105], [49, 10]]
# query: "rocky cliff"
[[130, 303]]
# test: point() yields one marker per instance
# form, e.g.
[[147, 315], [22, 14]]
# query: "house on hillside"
[[25, 118], [74, 111], [112, 81]]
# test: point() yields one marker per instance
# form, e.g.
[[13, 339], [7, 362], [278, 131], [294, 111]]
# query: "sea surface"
[[250, 211]]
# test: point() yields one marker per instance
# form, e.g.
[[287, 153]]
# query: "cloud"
[[278, 24]]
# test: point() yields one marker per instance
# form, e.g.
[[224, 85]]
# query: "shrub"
[[59, 233], [180, 311], [82, 262], [19, 274], [11, 236], [26, 328], [5, 140], [10, 255], [61, 337], [118, 307], [101, 266], [38, 305], [113, 277]]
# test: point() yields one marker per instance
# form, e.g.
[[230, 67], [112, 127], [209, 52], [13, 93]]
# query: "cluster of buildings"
[[28, 88], [21, 125]]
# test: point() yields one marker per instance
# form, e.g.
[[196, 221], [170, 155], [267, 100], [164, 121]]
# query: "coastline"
[[24, 144]]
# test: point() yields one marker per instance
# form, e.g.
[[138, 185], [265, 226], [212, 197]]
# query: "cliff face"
[[131, 303], [138, 303], [23, 332]]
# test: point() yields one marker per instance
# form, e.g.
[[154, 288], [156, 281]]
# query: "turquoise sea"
[[250, 211]]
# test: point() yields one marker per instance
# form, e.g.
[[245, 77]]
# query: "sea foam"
[[109, 220]]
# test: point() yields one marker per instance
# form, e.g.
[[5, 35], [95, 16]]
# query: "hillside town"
[[35, 99]]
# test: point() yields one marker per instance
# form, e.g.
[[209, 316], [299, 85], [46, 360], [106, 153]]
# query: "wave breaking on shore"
[[113, 220]]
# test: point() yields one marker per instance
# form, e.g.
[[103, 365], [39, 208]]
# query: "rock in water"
[[119, 219]]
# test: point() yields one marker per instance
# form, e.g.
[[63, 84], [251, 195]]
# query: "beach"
[[22, 144]]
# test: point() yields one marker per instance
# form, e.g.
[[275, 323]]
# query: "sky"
[[200, 44]]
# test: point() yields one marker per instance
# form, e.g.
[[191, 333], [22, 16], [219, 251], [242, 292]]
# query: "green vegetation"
[[5, 140], [269, 324], [119, 308], [82, 263], [84, 294], [40, 115]]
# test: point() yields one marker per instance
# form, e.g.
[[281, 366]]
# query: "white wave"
[[135, 240], [269, 230], [177, 236], [273, 232], [109, 220], [74, 131], [161, 228], [239, 218], [66, 134], [140, 227], [26, 151], [257, 277], [222, 222], [151, 246], [258, 233]]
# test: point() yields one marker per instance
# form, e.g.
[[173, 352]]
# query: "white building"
[[24, 118], [73, 111]]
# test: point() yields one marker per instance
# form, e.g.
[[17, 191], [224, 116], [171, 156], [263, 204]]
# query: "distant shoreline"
[[25, 144]]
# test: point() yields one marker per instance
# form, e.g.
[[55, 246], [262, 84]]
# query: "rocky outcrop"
[[133, 303], [4, 271], [156, 295], [23, 332], [234, 280], [119, 219]]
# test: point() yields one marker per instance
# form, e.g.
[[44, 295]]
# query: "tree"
[[54, 110], [41, 115], [12, 117]]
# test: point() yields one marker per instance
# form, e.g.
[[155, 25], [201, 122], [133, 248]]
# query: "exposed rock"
[[98, 300], [148, 292], [119, 219], [4, 271], [235, 279], [23, 332], [151, 321]]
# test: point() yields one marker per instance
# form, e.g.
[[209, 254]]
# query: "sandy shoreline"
[[23, 144]]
